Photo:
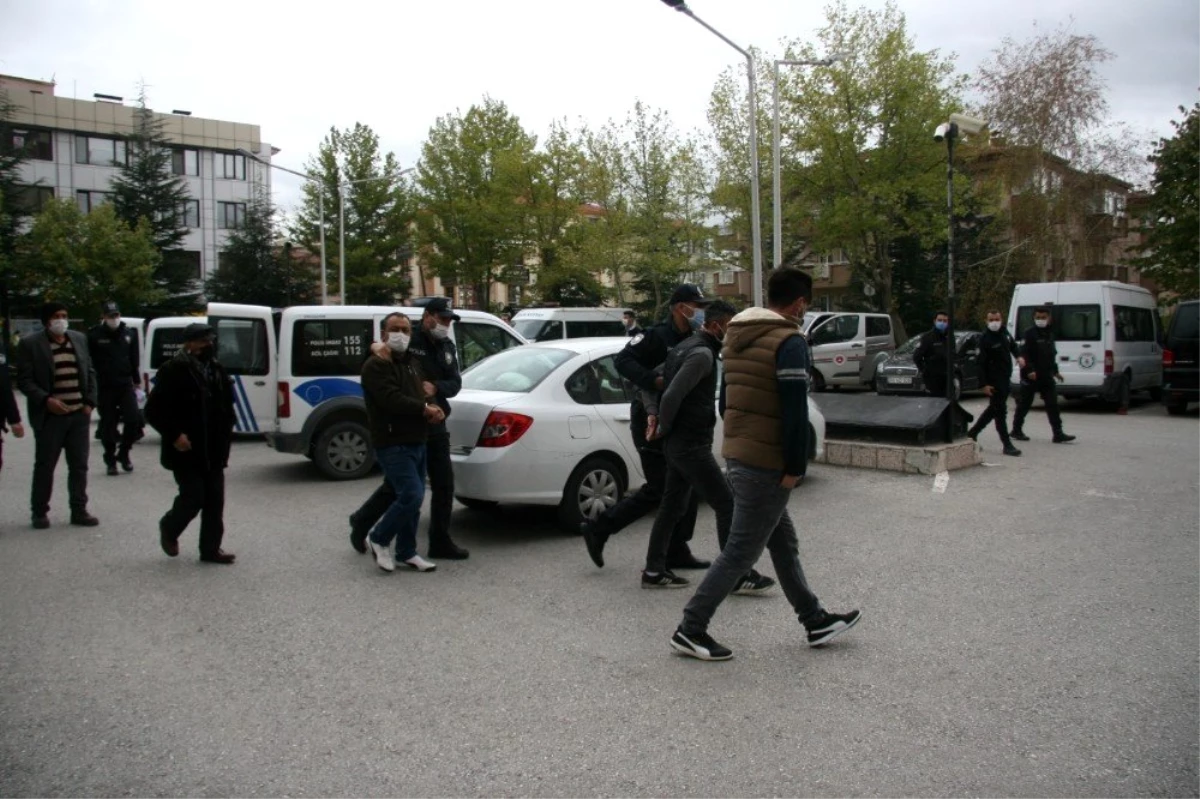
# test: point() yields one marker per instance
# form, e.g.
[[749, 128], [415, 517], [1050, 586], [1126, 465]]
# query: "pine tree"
[[146, 188], [252, 270], [12, 211]]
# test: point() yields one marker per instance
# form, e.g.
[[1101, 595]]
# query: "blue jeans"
[[760, 520], [404, 469]]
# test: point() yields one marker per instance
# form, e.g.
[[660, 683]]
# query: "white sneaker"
[[420, 564], [383, 556]]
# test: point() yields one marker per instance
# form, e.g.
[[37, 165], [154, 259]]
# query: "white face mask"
[[994, 326], [58, 326], [1041, 322], [440, 332], [113, 324], [397, 342]]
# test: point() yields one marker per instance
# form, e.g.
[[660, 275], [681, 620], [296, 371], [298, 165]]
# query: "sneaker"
[[1019, 435], [827, 626], [383, 556], [753, 584], [418, 563], [699, 645], [662, 580], [1062, 438], [1009, 449], [594, 540]]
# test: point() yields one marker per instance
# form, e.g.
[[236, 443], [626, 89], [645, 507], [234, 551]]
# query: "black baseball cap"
[[687, 292], [441, 307], [197, 331], [109, 308]]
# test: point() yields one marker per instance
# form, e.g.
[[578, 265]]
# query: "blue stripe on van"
[[314, 392], [249, 423], [239, 425]]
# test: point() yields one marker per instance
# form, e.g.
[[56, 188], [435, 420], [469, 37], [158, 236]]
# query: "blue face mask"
[[696, 320], [941, 326]]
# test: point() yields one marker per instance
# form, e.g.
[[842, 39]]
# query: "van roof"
[[334, 311], [543, 313]]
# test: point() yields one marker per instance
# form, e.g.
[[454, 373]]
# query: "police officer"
[[996, 352], [930, 355], [637, 363], [114, 349], [1038, 376], [434, 351]]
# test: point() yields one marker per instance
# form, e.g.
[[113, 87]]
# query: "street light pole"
[[755, 222], [776, 192], [342, 223], [320, 210]]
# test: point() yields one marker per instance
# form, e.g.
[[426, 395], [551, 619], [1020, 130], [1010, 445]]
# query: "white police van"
[[551, 324], [297, 372]]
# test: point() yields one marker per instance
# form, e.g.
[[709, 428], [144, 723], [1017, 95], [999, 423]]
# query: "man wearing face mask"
[[114, 349], [438, 361], [632, 328], [191, 406], [1038, 376], [997, 349], [930, 355], [55, 373]]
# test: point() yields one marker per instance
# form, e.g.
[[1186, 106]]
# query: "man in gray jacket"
[[54, 372]]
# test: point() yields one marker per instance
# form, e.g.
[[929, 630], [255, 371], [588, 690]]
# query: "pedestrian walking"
[[997, 349], [1038, 377], [191, 407], [55, 373], [114, 349], [632, 328], [10, 414], [766, 449], [638, 362], [399, 415], [930, 355], [441, 380]]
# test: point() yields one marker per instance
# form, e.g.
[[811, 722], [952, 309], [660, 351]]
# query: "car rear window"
[[1186, 323], [1069, 322], [167, 341], [520, 369], [539, 329]]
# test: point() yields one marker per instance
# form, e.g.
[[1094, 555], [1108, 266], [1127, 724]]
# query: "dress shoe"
[[220, 556], [594, 540], [41, 522], [448, 550], [687, 561], [1063, 438], [1009, 449], [973, 434], [1019, 435], [126, 464], [168, 544], [112, 470], [358, 538], [84, 519]]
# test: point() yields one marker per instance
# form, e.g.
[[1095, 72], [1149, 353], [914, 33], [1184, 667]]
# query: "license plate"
[[900, 381]]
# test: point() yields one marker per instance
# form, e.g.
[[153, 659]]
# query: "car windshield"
[[519, 369]]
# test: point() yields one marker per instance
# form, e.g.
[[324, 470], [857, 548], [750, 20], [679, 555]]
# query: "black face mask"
[[205, 354]]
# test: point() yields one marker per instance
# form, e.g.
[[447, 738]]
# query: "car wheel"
[[1123, 392], [1177, 407], [594, 487], [818, 380], [343, 451], [477, 504], [1156, 393]]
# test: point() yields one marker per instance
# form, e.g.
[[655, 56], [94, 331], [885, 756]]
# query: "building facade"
[[74, 148]]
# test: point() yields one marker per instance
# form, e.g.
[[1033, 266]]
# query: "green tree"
[[253, 269], [473, 184], [83, 259], [12, 211], [1173, 241], [146, 189]]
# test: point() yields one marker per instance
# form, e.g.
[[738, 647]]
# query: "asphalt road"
[[1032, 631]]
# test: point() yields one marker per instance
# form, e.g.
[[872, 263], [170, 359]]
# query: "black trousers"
[[67, 433], [692, 473], [935, 385], [200, 492], [997, 410], [118, 408], [1049, 394], [441, 490]]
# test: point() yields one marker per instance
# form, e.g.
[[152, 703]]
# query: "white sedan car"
[[548, 424]]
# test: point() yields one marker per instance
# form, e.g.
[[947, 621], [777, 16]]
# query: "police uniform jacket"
[[438, 361]]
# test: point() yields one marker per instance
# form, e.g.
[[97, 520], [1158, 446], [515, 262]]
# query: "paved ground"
[[1033, 631]]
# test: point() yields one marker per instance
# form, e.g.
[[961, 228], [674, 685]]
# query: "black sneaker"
[[662, 580], [1062, 438], [753, 584], [699, 645], [358, 538], [1019, 435], [1009, 449], [827, 626], [595, 540]]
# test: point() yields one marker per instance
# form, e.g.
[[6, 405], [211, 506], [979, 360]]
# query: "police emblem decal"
[[633, 342], [1087, 360]]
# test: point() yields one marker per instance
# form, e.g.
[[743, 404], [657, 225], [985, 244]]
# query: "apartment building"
[[75, 147]]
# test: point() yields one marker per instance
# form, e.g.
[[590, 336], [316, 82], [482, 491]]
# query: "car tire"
[[1177, 407], [477, 504], [818, 380], [596, 485], [1124, 392], [1156, 393], [343, 451]]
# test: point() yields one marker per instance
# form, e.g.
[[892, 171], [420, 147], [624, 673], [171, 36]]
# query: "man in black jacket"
[[930, 355], [191, 407], [114, 348], [996, 352], [1038, 376], [438, 361]]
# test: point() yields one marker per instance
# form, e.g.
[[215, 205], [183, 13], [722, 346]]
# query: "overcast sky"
[[297, 68]]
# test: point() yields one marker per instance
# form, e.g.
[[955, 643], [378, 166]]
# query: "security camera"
[[943, 130], [968, 125]]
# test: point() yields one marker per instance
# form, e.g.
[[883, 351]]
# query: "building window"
[[35, 144], [727, 277], [231, 216], [32, 199], [185, 258], [100, 152], [90, 200], [230, 166], [185, 162], [189, 213]]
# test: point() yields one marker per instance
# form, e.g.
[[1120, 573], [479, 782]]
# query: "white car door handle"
[[621, 418]]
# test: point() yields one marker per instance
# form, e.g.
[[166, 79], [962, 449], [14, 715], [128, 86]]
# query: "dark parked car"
[[1181, 369], [899, 375]]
